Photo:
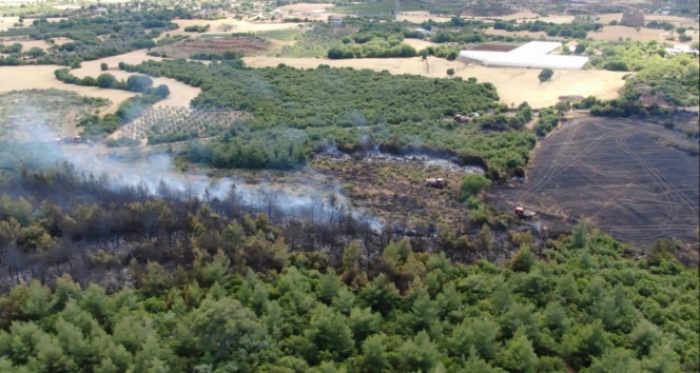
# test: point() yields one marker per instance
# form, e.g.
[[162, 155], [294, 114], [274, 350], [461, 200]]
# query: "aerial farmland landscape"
[[367, 186]]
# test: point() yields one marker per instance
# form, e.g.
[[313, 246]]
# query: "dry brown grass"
[[609, 33], [29, 44], [419, 44], [42, 77], [304, 7], [228, 26], [7, 22], [420, 16], [514, 85]]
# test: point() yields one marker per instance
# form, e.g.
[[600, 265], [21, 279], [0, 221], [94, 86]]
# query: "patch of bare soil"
[[240, 43], [628, 177]]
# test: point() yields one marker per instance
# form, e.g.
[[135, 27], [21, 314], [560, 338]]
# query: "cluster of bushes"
[[95, 126], [115, 32], [197, 28], [502, 122], [121, 142], [135, 83], [377, 48], [548, 120], [225, 55], [172, 137], [668, 26], [569, 30]]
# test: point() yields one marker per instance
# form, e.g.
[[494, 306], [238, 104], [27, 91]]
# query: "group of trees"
[[308, 106], [670, 79], [215, 290], [116, 32], [570, 30]]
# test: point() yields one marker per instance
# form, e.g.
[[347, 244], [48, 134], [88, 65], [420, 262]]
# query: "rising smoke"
[[157, 175]]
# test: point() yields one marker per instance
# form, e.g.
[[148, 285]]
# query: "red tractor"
[[435, 182], [524, 214], [461, 118]]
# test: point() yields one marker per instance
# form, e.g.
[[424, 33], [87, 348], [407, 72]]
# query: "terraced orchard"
[[176, 123]]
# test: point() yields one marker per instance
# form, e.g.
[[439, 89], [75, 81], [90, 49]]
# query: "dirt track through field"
[[627, 177]]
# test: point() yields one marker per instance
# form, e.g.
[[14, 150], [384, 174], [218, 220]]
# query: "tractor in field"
[[524, 214], [435, 182], [462, 118]]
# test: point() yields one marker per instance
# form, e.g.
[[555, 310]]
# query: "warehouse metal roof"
[[534, 54]]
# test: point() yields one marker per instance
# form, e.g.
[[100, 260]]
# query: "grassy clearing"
[[282, 35], [313, 43], [44, 114]]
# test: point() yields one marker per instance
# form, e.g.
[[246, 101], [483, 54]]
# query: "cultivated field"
[[215, 44], [628, 177], [514, 85]]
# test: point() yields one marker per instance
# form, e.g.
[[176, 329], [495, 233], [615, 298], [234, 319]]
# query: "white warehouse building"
[[534, 54]]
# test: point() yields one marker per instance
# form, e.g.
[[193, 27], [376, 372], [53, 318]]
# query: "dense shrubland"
[[303, 107], [210, 289]]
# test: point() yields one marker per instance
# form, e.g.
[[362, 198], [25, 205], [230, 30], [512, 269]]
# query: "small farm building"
[[535, 54]]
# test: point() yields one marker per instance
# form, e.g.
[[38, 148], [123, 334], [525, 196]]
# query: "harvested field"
[[29, 44], [304, 7], [228, 25], [629, 178], [514, 85], [7, 22], [42, 77], [495, 47], [215, 44], [420, 16], [419, 44], [180, 93]]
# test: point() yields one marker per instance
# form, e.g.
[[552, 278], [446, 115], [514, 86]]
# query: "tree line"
[[115, 32]]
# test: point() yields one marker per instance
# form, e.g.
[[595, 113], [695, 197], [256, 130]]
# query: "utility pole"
[[397, 8]]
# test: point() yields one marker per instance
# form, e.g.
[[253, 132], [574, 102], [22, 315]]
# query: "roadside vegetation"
[[215, 289]]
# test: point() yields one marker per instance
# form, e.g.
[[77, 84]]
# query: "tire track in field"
[[662, 181], [665, 182], [534, 188]]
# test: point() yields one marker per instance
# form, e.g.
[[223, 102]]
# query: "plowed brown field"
[[628, 177]]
